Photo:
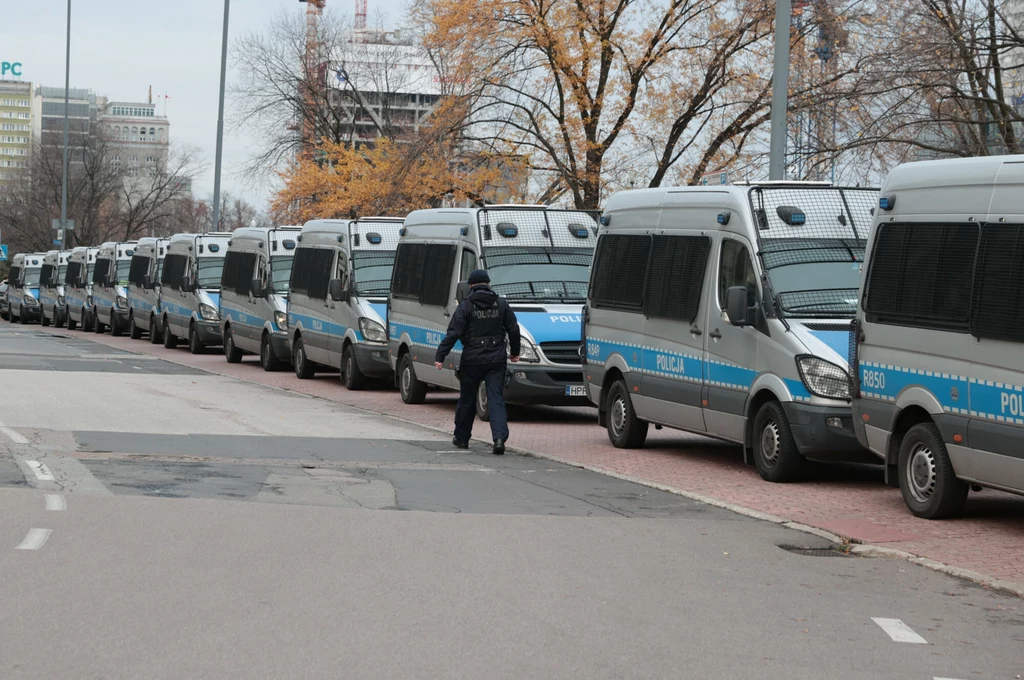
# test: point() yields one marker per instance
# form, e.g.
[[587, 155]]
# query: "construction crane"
[[314, 8]]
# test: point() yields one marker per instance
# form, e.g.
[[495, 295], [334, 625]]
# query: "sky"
[[121, 47]]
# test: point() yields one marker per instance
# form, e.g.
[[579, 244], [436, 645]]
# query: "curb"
[[859, 549]]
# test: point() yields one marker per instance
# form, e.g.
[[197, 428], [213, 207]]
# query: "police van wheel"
[[927, 479], [350, 372], [482, 412], [72, 324], [170, 339], [115, 325], [412, 389], [304, 368], [134, 332], [195, 345], [155, 336], [43, 321], [231, 352], [59, 318], [98, 326], [625, 430], [268, 360], [775, 452]]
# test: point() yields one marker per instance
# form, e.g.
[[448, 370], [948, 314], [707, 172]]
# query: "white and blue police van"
[[78, 287], [23, 287], [190, 289], [538, 259], [110, 286], [51, 288], [338, 294], [254, 294], [144, 288], [726, 311], [939, 379]]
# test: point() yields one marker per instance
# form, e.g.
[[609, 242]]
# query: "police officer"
[[481, 322]]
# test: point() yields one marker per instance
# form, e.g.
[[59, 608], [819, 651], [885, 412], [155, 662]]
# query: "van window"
[[341, 272], [468, 264], [735, 268], [138, 270], [280, 272], [239, 271], [73, 273], [676, 280], [423, 272], [408, 272], [123, 268], [998, 312], [620, 271], [99, 274], [922, 275], [174, 269], [46, 275], [14, 276], [311, 272], [373, 269]]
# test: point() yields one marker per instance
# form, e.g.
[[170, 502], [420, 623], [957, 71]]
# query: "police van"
[[538, 259], [78, 287], [726, 312], [939, 380], [254, 294], [144, 288], [110, 287], [23, 287], [51, 287], [190, 289], [338, 296]]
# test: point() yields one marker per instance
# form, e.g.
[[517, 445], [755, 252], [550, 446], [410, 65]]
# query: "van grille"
[[562, 352], [566, 378]]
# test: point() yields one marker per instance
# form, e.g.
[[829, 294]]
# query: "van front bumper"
[[279, 345], [373, 360], [209, 332], [825, 433], [546, 385]]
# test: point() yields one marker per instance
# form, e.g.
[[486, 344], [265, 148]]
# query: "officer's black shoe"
[[459, 444], [499, 447]]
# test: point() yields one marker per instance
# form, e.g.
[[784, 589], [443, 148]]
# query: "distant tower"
[[360, 15], [314, 9]]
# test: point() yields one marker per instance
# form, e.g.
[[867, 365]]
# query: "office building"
[[15, 129]]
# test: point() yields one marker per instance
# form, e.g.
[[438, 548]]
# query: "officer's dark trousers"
[[470, 377]]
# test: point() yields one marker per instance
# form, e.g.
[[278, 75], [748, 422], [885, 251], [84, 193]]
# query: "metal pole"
[[220, 120], [67, 133], [780, 91]]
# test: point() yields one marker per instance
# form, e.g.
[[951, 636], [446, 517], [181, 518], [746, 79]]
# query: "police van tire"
[[927, 479], [231, 351], [412, 389], [71, 323], [195, 345], [170, 339], [21, 318], [115, 326], [775, 454], [155, 334], [304, 368], [625, 430], [268, 360], [134, 332], [43, 321], [98, 326], [59, 318], [482, 411], [350, 372]]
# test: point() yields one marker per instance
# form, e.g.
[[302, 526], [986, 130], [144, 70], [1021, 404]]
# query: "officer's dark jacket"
[[481, 322]]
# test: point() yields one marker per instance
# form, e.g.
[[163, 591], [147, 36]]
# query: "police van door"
[[467, 264], [731, 351], [674, 307], [337, 312]]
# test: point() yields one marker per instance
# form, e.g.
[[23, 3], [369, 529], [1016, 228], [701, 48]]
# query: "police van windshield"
[[280, 272], [32, 277], [210, 269], [373, 271], [61, 272], [122, 270], [539, 274], [88, 272], [159, 269], [815, 277]]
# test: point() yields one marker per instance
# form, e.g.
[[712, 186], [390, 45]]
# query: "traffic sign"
[[69, 225], [715, 178], [3, 253]]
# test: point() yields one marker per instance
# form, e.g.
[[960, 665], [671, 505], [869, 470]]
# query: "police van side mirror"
[[147, 281], [461, 291], [736, 307], [336, 291], [256, 288], [186, 284]]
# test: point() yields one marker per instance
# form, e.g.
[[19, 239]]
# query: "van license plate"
[[575, 390]]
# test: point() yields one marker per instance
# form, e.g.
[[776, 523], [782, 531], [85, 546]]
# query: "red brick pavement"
[[848, 500]]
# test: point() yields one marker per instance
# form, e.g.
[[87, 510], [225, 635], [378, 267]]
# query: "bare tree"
[[147, 202]]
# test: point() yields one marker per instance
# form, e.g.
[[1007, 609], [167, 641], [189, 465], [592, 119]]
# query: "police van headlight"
[[88, 301], [527, 351], [208, 312], [122, 302], [372, 331], [281, 320], [30, 298], [823, 378]]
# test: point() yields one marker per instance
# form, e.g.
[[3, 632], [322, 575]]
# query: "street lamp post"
[[67, 129], [220, 120], [780, 91]]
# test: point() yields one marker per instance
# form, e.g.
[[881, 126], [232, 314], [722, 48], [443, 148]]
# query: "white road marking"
[[14, 436], [938, 678], [899, 631], [55, 502], [35, 539], [43, 473]]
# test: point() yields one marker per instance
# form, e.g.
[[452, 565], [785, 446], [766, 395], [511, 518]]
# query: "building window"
[[152, 134], [135, 134]]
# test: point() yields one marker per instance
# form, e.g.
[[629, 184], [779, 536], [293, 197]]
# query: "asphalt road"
[[161, 522]]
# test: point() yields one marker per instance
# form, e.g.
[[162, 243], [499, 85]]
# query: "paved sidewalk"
[[847, 500]]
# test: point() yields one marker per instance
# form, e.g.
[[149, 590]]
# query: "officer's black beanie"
[[479, 276]]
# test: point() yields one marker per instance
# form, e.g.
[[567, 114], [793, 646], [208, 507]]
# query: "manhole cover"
[[831, 551]]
